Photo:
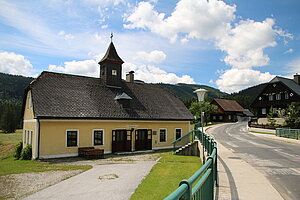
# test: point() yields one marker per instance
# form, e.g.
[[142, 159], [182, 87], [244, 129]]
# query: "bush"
[[26, 153], [18, 150]]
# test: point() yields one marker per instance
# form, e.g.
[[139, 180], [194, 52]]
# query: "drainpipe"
[[37, 140]]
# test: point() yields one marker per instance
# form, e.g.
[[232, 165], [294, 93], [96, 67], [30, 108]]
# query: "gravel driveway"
[[115, 178]]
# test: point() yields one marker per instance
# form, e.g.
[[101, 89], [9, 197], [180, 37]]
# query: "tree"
[[9, 118], [207, 108], [270, 116], [292, 115]]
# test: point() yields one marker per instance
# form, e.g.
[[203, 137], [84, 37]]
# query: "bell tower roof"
[[111, 55]]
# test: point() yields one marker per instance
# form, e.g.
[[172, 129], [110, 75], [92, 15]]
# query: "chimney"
[[297, 78], [130, 77]]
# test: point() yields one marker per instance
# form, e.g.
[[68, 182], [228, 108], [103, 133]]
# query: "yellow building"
[[63, 112]]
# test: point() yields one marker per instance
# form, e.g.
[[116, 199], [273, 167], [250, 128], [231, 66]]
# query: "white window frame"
[[166, 134], [271, 97], [77, 137], [263, 111], [30, 137], [25, 137], [175, 133], [229, 117], [114, 72], [278, 96], [102, 137], [286, 95]]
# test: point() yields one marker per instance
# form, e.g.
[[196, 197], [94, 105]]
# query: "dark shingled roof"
[[111, 55], [57, 95], [229, 105], [290, 83]]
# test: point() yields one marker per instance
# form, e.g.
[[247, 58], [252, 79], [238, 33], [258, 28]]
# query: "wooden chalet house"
[[63, 112], [228, 110], [277, 93]]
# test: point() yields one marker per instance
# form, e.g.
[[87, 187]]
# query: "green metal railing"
[[200, 186], [288, 133], [185, 139]]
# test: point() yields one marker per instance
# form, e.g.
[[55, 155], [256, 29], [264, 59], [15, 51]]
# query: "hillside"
[[12, 86], [185, 91]]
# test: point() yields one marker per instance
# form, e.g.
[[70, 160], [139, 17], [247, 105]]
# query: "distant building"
[[228, 110], [277, 93], [64, 112]]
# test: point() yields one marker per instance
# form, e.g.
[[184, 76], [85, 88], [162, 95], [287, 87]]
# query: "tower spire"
[[111, 36]]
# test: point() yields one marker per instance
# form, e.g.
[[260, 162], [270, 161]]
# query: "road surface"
[[279, 161]]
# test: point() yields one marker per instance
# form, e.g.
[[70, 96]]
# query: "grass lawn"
[[262, 132], [8, 165], [166, 175]]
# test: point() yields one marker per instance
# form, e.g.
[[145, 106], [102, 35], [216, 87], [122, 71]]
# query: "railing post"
[[188, 194]]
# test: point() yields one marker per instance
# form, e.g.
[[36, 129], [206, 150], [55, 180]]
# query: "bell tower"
[[111, 67]]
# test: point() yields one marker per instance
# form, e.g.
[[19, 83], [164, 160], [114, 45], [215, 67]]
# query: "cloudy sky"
[[229, 44]]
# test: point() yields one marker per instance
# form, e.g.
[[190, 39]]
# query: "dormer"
[[111, 68], [123, 99]]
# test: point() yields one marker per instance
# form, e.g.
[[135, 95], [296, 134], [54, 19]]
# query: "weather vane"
[[111, 36]]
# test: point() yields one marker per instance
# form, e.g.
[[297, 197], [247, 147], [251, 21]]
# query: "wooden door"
[[143, 139], [121, 140]]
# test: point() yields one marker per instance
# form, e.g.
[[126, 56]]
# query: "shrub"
[[18, 150], [26, 153]]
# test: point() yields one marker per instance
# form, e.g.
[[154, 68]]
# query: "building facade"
[[64, 112], [277, 94], [228, 110]]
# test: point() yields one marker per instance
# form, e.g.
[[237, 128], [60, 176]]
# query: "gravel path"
[[15, 186], [113, 178]]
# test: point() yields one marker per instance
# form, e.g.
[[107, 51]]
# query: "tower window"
[[114, 72]]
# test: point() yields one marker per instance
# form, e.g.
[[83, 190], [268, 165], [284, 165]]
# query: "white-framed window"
[[25, 137], [271, 97], [72, 138], [286, 95], [98, 137], [263, 111], [30, 137], [229, 117], [220, 117], [114, 72], [214, 117], [278, 96], [178, 133], [162, 135]]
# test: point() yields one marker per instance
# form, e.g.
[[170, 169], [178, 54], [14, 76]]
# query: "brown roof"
[[111, 55], [229, 105], [57, 95]]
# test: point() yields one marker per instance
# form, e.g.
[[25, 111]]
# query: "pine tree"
[[8, 120]]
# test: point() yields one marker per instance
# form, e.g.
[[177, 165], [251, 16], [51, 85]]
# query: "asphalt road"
[[279, 161]]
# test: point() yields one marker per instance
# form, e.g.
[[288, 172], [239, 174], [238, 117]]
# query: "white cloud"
[[66, 36], [294, 66], [147, 73], [152, 57], [289, 51], [234, 80], [85, 68], [245, 43], [104, 26], [16, 64], [153, 74], [200, 19]]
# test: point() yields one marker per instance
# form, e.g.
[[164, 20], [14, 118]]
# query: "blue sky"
[[227, 44]]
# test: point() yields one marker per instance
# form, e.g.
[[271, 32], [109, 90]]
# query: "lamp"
[[200, 94]]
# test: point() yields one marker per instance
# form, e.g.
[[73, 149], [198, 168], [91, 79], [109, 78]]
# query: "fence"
[[288, 133], [200, 186]]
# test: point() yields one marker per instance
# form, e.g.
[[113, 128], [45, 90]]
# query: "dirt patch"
[[16, 186], [108, 177]]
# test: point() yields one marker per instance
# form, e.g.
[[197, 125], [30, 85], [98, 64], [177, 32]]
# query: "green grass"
[[11, 138], [262, 132], [8, 165], [166, 175]]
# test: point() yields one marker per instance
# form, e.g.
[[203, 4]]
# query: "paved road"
[[279, 161]]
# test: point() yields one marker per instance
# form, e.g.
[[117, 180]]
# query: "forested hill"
[[12, 86], [186, 91]]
